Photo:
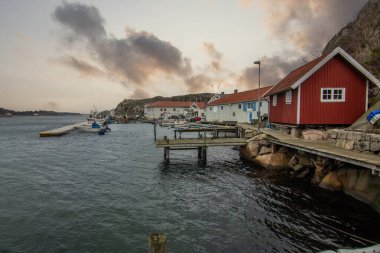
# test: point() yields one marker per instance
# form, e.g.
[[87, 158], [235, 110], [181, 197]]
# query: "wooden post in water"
[[155, 126], [157, 243], [199, 153], [166, 154], [204, 155]]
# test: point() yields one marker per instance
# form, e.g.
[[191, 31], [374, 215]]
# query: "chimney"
[[235, 91]]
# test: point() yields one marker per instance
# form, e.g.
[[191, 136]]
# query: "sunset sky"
[[73, 55]]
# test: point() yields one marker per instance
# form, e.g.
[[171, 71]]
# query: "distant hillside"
[[30, 113], [361, 38], [133, 107]]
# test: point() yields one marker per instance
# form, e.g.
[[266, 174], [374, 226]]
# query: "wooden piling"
[[166, 154], [155, 131], [199, 153], [204, 155], [157, 243]]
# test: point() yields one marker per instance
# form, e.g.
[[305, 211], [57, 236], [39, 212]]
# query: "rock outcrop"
[[361, 38], [260, 152]]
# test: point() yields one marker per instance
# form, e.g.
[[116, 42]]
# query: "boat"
[[94, 127], [372, 249]]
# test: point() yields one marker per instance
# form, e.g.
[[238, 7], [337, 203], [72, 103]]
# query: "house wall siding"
[[241, 116], [334, 74], [284, 113]]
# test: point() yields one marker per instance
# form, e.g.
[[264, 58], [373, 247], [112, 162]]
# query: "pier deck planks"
[[322, 148], [201, 142]]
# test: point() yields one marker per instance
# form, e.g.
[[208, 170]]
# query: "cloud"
[[308, 24], [79, 65], [133, 59], [245, 3], [198, 83], [140, 93], [81, 20], [52, 105], [272, 70], [215, 55]]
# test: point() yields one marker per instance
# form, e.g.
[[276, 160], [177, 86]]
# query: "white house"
[[169, 108], [239, 106]]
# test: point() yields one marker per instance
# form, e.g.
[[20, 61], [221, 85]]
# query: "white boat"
[[90, 127], [372, 249]]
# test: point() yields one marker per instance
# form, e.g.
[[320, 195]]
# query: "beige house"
[[166, 109]]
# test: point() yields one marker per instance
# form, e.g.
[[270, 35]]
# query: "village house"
[[166, 109], [239, 106], [330, 90]]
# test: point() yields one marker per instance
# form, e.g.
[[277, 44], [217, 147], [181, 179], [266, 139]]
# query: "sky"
[[76, 55]]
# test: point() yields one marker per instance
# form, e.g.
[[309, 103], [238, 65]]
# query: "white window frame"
[[332, 99], [288, 97], [274, 101]]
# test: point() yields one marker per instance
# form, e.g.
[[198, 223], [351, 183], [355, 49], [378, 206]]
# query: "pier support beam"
[[204, 155], [166, 154], [199, 153]]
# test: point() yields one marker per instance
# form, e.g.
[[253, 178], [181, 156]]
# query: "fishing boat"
[[93, 127]]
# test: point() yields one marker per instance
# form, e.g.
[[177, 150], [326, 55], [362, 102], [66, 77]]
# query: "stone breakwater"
[[326, 173]]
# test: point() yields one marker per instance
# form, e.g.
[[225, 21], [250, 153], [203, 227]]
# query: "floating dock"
[[61, 131]]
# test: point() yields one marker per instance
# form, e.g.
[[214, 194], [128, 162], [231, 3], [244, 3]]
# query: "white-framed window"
[[274, 101], [333, 94], [210, 108], [288, 97], [239, 106], [221, 107]]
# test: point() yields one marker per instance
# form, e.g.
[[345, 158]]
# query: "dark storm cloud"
[[133, 59], [83, 20]]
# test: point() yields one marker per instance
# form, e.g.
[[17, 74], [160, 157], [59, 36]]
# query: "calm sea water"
[[89, 193]]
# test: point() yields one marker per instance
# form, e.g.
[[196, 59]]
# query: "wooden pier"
[[324, 149], [61, 131], [214, 130], [200, 144]]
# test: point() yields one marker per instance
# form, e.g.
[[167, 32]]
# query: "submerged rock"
[[331, 182], [278, 160], [356, 182]]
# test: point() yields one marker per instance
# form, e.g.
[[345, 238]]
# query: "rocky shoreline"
[[323, 172]]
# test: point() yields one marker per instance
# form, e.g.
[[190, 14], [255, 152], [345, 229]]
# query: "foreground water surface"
[[89, 193]]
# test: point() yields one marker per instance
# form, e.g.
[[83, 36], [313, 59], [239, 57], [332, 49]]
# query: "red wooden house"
[[330, 90]]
